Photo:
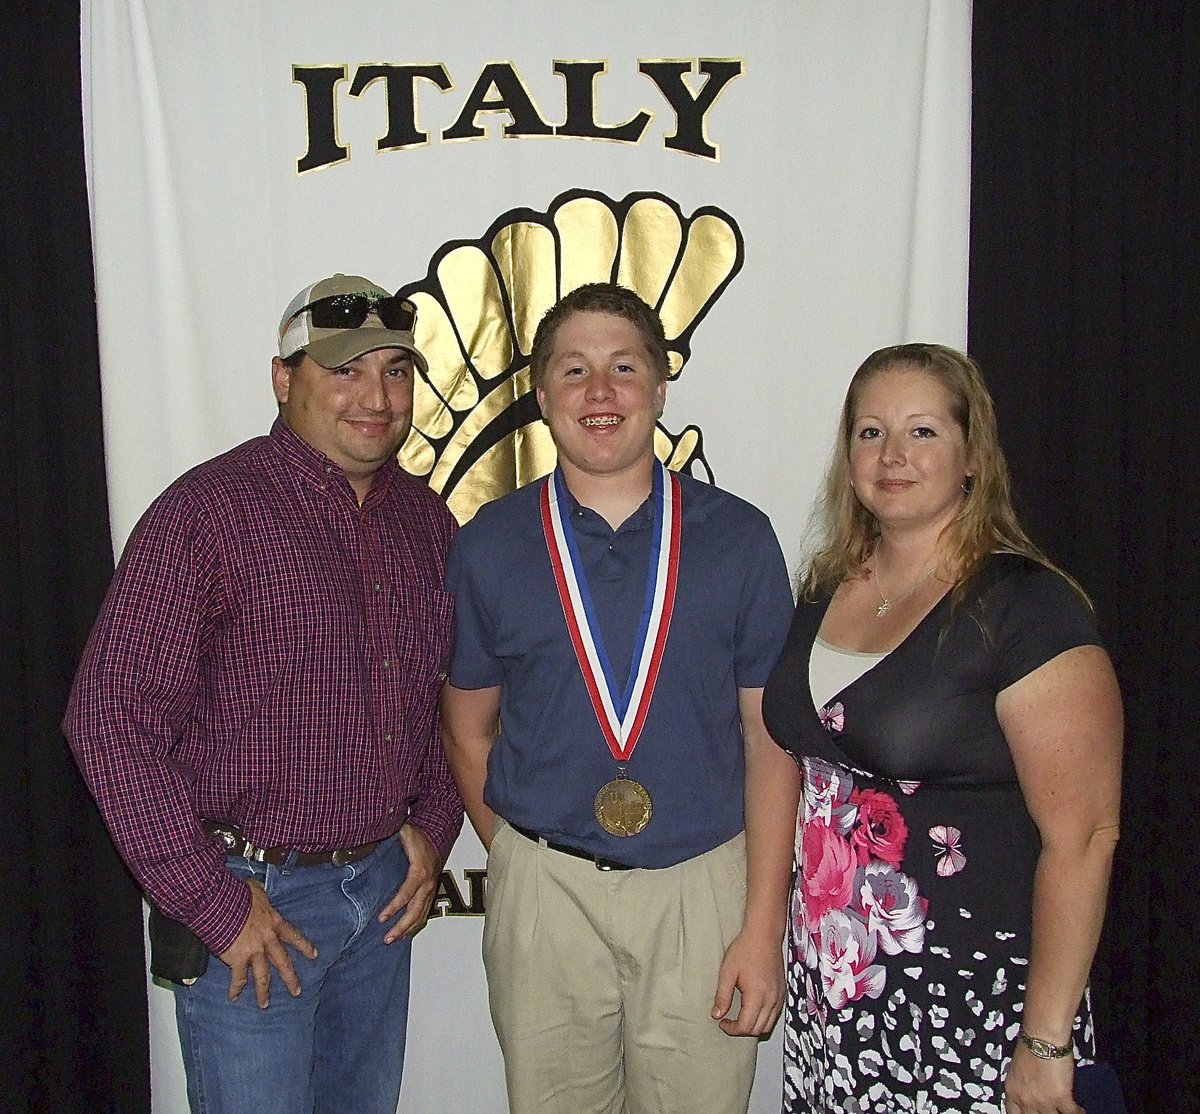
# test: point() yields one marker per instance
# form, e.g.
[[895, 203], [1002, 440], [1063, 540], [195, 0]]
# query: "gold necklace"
[[886, 601]]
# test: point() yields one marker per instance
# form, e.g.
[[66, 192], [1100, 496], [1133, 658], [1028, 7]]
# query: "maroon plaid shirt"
[[270, 655]]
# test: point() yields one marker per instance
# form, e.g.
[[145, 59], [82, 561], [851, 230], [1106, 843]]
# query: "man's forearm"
[[468, 762], [147, 808], [772, 797], [773, 784], [469, 725]]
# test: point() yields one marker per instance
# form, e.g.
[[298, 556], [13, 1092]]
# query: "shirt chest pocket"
[[422, 624]]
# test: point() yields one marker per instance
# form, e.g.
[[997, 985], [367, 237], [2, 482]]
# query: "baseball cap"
[[345, 316]]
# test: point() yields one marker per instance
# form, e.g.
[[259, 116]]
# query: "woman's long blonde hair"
[[985, 522]]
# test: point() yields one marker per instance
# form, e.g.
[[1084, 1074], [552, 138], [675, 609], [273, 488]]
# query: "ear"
[[281, 380], [661, 397], [540, 392]]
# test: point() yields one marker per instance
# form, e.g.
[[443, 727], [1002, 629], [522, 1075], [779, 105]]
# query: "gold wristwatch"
[[1044, 1050]]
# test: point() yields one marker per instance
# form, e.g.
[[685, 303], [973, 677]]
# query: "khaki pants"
[[601, 984]]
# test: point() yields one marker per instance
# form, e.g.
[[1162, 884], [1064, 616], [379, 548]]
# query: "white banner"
[[787, 180]]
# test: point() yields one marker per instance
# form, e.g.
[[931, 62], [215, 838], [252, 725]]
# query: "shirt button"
[[324, 487], [611, 547], [388, 737], [391, 810], [378, 586], [386, 663]]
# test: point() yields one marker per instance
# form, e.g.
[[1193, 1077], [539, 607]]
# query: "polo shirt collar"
[[694, 509], [638, 520]]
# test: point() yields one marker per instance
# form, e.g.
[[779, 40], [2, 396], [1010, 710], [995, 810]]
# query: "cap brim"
[[349, 344]]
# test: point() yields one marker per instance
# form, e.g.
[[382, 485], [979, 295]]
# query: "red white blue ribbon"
[[620, 711]]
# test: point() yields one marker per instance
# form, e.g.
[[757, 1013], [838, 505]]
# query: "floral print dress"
[[910, 913]]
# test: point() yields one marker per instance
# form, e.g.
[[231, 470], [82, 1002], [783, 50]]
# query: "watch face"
[[1044, 1049]]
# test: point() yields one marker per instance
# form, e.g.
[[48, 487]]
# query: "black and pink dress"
[[911, 906]]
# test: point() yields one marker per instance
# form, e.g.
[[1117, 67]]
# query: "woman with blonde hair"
[[959, 727]]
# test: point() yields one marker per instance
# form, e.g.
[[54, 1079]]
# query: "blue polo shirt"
[[733, 606]]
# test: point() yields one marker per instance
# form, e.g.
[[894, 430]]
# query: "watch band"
[[1044, 1050]]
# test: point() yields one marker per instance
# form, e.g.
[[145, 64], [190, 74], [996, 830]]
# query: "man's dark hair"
[[600, 297]]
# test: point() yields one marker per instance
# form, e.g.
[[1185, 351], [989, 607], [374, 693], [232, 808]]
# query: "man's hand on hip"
[[424, 871], [260, 946]]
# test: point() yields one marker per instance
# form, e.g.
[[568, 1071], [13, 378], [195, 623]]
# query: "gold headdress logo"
[[477, 431]]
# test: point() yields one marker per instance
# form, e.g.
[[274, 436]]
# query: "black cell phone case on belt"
[[176, 953]]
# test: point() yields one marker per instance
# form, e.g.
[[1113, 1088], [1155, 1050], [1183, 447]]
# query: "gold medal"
[[623, 807]]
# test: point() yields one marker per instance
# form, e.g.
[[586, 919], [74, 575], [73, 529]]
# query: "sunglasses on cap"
[[349, 311]]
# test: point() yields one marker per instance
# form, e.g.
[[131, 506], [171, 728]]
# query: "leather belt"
[[237, 844], [574, 852]]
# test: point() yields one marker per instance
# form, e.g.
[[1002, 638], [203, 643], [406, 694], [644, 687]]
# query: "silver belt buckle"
[[229, 841], [236, 845]]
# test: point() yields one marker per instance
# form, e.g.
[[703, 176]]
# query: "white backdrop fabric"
[[842, 150]]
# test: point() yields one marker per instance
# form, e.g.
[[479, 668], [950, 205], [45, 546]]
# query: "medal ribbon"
[[620, 713]]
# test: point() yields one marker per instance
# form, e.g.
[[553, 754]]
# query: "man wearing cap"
[[614, 626], [256, 715]]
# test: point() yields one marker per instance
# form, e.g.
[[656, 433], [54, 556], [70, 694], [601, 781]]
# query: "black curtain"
[[1082, 303], [1083, 312], [73, 1025]]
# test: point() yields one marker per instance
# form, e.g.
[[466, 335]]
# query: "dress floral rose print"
[[853, 900], [910, 912]]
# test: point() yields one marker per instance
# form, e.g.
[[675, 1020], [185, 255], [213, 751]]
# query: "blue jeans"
[[339, 1046]]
